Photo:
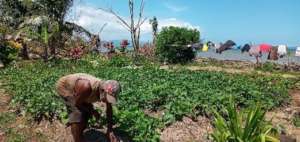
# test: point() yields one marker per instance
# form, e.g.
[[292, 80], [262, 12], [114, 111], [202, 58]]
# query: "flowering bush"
[[124, 45], [76, 53], [110, 46], [147, 50]]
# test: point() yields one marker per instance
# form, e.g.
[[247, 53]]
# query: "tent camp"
[[255, 51], [227, 46], [246, 48], [265, 48], [298, 52], [282, 50], [205, 47]]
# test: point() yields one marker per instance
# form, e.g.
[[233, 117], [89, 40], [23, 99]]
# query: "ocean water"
[[237, 55]]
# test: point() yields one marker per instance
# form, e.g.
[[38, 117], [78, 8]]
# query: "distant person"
[[79, 92]]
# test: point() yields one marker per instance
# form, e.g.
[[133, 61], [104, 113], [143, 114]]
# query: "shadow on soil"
[[94, 135]]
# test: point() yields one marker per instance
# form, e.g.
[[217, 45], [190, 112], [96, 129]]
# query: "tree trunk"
[[52, 48], [56, 41], [24, 52], [133, 44], [46, 53]]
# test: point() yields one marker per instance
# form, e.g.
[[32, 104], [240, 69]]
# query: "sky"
[[244, 21]]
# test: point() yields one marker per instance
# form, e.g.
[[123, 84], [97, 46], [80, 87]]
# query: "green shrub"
[[244, 126], [171, 44], [8, 51], [296, 120], [268, 67]]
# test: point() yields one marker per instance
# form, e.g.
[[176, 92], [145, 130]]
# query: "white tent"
[[282, 50], [297, 52]]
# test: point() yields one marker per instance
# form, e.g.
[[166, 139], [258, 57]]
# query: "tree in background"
[[134, 27], [154, 24], [56, 10], [13, 12], [172, 44], [21, 15]]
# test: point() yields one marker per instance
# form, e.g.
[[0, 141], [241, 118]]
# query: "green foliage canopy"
[[171, 44]]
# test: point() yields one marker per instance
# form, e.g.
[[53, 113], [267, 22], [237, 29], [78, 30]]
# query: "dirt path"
[[4, 99], [283, 117]]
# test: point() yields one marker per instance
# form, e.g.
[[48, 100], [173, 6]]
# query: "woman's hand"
[[111, 137], [96, 114]]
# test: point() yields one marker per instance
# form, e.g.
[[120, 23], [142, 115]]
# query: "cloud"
[[92, 19], [175, 8]]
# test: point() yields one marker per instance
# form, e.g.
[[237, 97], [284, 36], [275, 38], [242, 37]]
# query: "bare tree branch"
[[126, 28], [140, 13], [117, 16], [102, 28], [134, 27], [143, 21]]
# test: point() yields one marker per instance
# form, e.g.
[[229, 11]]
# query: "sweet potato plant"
[[177, 93]]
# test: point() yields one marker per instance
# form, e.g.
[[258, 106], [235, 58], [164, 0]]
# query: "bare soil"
[[188, 130], [283, 117]]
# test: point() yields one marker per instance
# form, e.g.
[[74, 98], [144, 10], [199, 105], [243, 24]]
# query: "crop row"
[[176, 93]]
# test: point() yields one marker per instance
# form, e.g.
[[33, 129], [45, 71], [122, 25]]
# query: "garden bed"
[[178, 93]]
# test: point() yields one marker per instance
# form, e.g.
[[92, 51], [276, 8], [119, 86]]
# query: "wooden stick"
[[109, 115]]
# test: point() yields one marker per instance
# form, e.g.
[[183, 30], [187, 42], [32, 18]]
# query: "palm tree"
[[154, 24]]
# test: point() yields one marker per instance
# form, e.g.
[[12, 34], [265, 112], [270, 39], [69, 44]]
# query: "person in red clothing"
[[79, 92]]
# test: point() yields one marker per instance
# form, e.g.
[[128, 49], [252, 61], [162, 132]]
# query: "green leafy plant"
[[171, 44], [268, 66], [119, 61], [296, 120], [177, 93], [8, 52], [248, 126]]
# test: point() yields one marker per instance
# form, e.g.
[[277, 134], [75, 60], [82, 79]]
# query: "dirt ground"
[[188, 130], [283, 117]]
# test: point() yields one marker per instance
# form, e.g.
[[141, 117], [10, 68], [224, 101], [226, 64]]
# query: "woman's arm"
[[109, 114]]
